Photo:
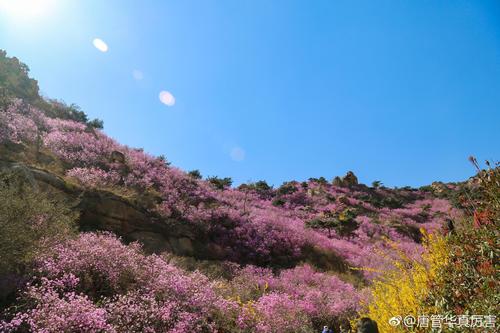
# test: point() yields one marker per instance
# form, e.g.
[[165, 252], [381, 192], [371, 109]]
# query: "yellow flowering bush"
[[403, 290], [458, 274]]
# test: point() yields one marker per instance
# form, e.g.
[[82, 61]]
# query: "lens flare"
[[100, 45], [167, 98]]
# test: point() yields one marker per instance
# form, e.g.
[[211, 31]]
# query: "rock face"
[[106, 211]]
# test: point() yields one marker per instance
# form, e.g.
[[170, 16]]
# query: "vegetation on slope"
[[289, 257]]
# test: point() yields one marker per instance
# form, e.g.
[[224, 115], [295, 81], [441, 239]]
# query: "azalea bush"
[[18, 122], [96, 284], [295, 300]]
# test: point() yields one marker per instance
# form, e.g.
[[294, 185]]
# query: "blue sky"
[[397, 91]]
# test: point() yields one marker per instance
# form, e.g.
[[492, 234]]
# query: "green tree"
[[320, 180], [96, 123], [328, 224], [343, 222], [196, 174], [261, 187], [220, 183]]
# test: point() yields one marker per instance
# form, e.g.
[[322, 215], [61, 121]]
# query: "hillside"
[[208, 257]]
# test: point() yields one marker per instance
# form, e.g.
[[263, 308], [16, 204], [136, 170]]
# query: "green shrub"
[[278, 202], [287, 188], [469, 283], [29, 221]]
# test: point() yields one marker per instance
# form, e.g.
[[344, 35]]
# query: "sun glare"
[[26, 10]]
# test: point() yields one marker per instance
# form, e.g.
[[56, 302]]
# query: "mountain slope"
[[301, 234]]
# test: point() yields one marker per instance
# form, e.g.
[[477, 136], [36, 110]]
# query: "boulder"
[[182, 246], [117, 157], [348, 180], [152, 242]]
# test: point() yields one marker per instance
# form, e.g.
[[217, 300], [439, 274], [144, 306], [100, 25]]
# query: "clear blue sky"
[[397, 91]]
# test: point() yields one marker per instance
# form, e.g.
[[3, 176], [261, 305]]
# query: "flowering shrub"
[[324, 296], [94, 177], [96, 284], [17, 123], [277, 312], [75, 145], [298, 297], [403, 290], [57, 310]]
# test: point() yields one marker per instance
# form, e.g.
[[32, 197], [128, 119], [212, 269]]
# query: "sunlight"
[[26, 10]]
